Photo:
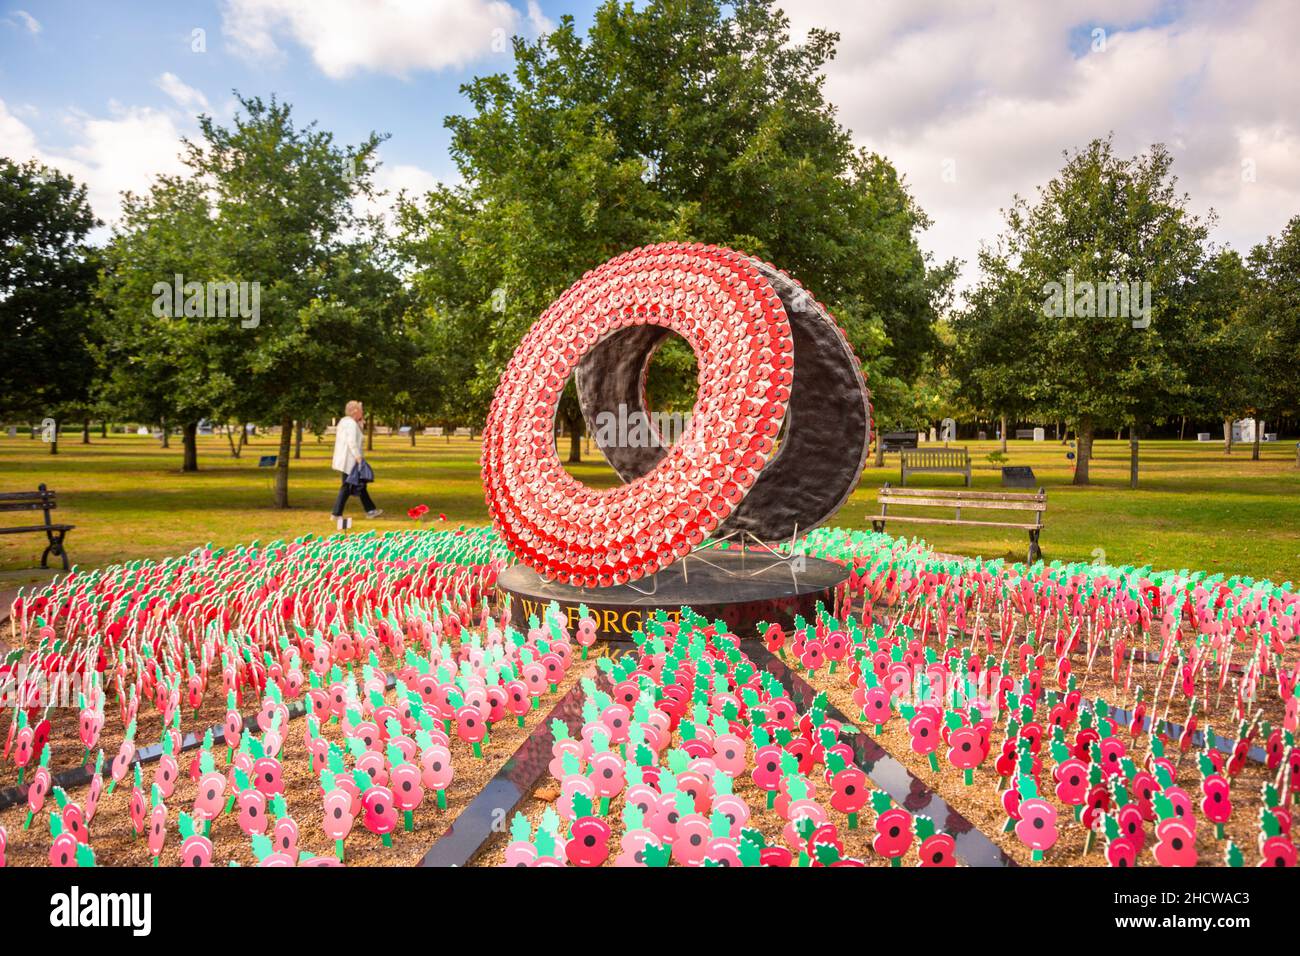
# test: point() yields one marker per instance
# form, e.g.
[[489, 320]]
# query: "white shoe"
[[375, 514]]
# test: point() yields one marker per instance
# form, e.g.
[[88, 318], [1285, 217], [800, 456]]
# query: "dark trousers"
[[345, 490]]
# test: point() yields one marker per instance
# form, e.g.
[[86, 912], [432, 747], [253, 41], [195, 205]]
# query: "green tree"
[[163, 358], [271, 208], [1274, 326], [1223, 346], [47, 276], [994, 359], [1111, 251], [688, 120]]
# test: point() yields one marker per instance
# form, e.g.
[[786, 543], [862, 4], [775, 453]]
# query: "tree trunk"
[[1227, 435], [412, 436], [1083, 452], [1259, 433], [1004, 434], [230, 437], [880, 449], [370, 434], [103, 429], [190, 440], [243, 435], [282, 463], [85, 432], [297, 440], [54, 442], [1132, 457], [166, 435], [1182, 428]]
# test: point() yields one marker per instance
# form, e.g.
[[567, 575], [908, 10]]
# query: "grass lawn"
[[1195, 509]]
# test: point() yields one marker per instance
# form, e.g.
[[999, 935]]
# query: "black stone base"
[[725, 585]]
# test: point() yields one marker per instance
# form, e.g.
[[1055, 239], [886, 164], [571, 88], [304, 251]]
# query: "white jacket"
[[347, 444]]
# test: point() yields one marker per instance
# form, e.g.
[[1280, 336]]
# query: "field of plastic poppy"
[[1069, 714], [443, 697]]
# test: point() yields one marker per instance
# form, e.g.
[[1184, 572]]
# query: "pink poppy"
[[1037, 826], [1072, 781], [607, 775], [196, 851], [4, 842], [374, 766], [337, 822], [380, 812], [1277, 851], [875, 708], [767, 770], [63, 851], [268, 776], [849, 793], [729, 754], [1129, 818], [252, 811], [157, 830], [893, 834], [722, 852], [734, 809], [208, 797], [1216, 804], [284, 834], [1121, 852], [938, 849], [572, 786], [408, 794], [632, 848], [436, 771], [36, 793], [520, 853], [965, 751], [692, 839], [643, 797], [74, 822], [589, 845], [471, 727], [1177, 843]]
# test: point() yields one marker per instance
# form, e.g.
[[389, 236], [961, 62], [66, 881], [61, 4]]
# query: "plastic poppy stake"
[[1037, 826], [40, 786], [893, 828]]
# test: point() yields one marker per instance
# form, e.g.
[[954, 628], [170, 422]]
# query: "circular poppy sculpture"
[[766, 353]]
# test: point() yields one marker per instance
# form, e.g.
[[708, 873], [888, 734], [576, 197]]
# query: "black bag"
[[361, 474]]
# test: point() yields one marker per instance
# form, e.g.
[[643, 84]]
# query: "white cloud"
[[999, 89], [25, 20], [182, 94], [123, 151], [392, 180], [383, 36]]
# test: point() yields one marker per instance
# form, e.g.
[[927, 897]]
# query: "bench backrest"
[[39, 500], [964, 498], [936, 458]]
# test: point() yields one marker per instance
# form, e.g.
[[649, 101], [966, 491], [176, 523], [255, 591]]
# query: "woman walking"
[[348, 455]]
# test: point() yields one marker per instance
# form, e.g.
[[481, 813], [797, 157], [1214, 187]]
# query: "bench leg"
[[1035, 552], [55, 548], [877, 525]]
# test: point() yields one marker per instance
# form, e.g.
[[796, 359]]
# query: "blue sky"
[[972, 100], [93, 58]]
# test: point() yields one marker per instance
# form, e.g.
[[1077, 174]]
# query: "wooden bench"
[[935, 461], [43, 500], [959, 499]]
